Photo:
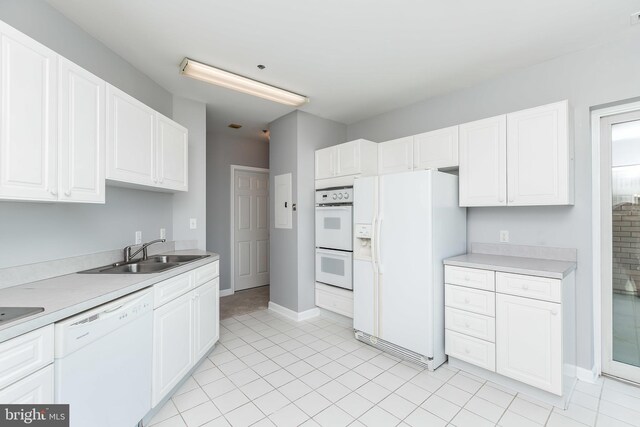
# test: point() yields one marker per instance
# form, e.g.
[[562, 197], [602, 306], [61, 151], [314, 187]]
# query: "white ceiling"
[[354, 59]]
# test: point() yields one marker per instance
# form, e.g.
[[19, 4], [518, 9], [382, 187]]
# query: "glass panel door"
[[620, 225], [625, 226]]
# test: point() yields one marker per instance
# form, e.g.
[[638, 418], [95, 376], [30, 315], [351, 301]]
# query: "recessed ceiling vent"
[[235, 126]]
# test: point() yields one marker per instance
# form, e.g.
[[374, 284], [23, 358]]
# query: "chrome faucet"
[[127, 250]]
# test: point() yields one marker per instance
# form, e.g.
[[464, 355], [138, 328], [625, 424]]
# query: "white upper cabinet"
[[483, 162], [519, 159], [325, 159], [340, 164], [539, 156], [436, 149], [130, 139], [395, 155], [144, 147], [348, 158], [28, 118], [81, 130], [173, 154]]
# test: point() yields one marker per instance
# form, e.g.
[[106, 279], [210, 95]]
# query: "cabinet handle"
[[466, 324], [466, 350], [53, 192], [467, 300], [467, 278], [67, 193], [554, 312], [525, 287]]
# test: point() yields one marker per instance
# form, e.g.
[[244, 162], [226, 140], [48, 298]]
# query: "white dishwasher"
[[103, 362]]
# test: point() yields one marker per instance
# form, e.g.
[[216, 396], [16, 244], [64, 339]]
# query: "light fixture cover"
[[216, 76]]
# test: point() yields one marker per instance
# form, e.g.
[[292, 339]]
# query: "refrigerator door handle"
[[379, 245]]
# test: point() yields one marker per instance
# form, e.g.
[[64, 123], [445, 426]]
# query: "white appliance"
[[334, 237], [103, 362], [405, 225]]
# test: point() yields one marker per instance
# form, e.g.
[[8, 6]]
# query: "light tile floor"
[[267, 370]]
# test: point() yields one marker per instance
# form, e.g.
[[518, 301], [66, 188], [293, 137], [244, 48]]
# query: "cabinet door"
[[395, 155], [348, 156], [81, 130], [130, 139], [173, 157], [325, 159], [483, 162], [539, 156], [206, 317], [37, 388], [436, 149], [28, 118], [529, 341], [172, 345]]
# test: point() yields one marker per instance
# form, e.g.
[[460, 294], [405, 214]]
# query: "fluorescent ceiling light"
[[216, 76]]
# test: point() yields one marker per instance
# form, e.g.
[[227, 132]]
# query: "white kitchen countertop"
[[511, 264], [67, 295]]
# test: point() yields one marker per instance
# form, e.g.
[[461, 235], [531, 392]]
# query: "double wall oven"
[[334, 237]]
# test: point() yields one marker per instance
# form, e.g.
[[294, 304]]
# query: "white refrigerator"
[[404, 226]]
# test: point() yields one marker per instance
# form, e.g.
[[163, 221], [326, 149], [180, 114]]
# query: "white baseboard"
[[294, 315], [586, 375], [226, 292]]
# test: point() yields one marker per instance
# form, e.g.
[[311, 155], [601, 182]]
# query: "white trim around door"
[[596, 149], [233, 170]]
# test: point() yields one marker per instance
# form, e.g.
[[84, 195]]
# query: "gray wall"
[[32, 232], [35, 232], [283, 244], [192, 204], [294, 139], [314, 133], [223, 150], [599, 75]]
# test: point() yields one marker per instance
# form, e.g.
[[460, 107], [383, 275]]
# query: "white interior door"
[[620, 213], [251, 229]]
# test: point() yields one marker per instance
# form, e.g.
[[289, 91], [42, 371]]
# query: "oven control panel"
[[335, 196]]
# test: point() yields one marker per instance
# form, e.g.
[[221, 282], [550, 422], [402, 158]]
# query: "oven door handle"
[[334, 208], [335, 254]]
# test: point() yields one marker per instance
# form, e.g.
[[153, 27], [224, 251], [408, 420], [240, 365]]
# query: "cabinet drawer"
[[25, 354], [36, 389], [471, 277], [477, 325], [333, 299], [529, 286], [171, 289], [473, 350], [481, 302], [206, 273]]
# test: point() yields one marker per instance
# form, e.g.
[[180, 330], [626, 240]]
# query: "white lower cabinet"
[[26, 367], [524, 331], [37, 388], [334, 299], [185, 326], [172, 344], [206, 309], [529, 341]]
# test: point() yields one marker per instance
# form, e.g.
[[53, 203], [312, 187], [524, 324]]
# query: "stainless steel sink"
[[154, 264], [164, 259], [140, 267]]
